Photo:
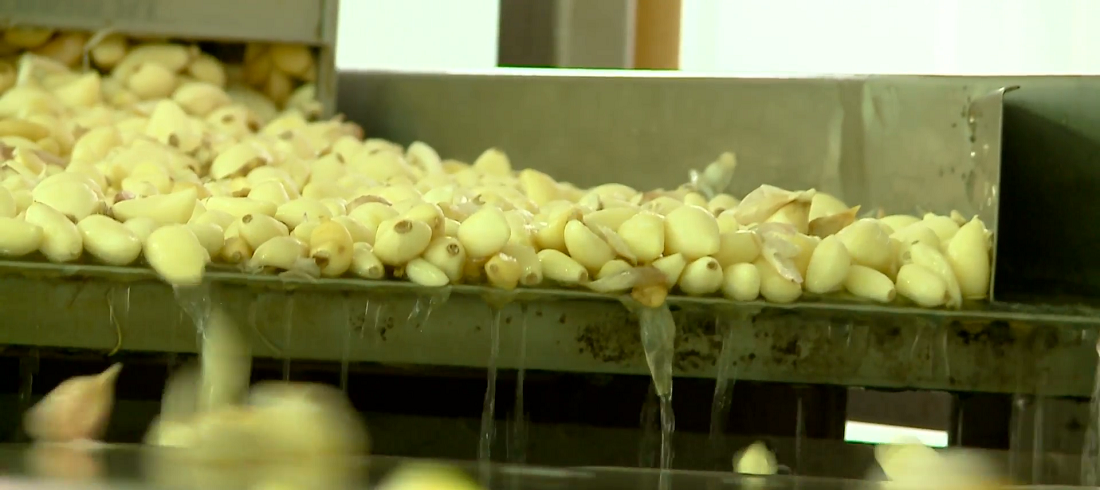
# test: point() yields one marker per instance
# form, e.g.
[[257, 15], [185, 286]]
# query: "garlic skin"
[[77, 409]]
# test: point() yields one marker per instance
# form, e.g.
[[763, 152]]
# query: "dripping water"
[[723, 389], [650, 451], [288, 326], [658, 334], [485, 443], [517, 441], [254, 325], [424, 307], [345, 357], [1090, 454], [799, 427], [195, 303]]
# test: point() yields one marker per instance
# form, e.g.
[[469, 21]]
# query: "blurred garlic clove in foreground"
[[77, 409]]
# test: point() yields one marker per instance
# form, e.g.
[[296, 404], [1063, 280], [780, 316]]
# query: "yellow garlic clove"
[[210, 236], [330, 245], [945, 227], [921, 286], [741, 282], [174, 208], [644, 234], [175, 253], [398, 241], [701, 277], [529, 263], [259, 228], [448, 254], [868, 283], [424, 273], [828, 267], [282, 253], [968, 253], [77, 409], [672, 266], [561, 268], [935, 261], [485, 232], [18, 237], [364, 263], [110, 241], [61, 240], [691, 231], [773, 286]]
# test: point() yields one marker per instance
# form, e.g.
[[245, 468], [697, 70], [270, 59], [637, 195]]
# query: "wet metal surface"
[[996, 349]]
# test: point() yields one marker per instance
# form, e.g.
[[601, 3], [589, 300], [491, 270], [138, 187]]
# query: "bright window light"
[[868, 433]]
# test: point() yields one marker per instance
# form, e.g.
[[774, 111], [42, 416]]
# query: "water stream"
[[288, 330], [488, 411], [517, 437], [658, 334], [1090, 454]]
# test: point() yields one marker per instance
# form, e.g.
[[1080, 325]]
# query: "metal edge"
[[973, 311], [865, 347], [985, 117]]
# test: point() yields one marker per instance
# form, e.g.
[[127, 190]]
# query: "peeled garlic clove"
[[644, 235], [945, 227], [741, 282], [612, 268], [921, 286], [331, 247], [550, 231], [503, 271], [738, 247], [18, 237], [828, 268], [822, 205], [272, 191], [142, 227], [869, 283], [538, 187], [364, 264], [485, 232], [615, 281], [933, 260], [722, 203], [795, 214], [691, 231], [424, 273], [528, 259], [773, 286], [175, 253], [429, 213], [897, 222], [210, 236], [968, 254], [398, 241], [612, 218], [868, 244], [672, 266], [297, 211], [448, 254], [259, 228], [174, 208], [283, 253], [561, 268], [833, 223], [916, 233], [61, 240], [110, 241], [77, 409], [701, 276], [586, 247]]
